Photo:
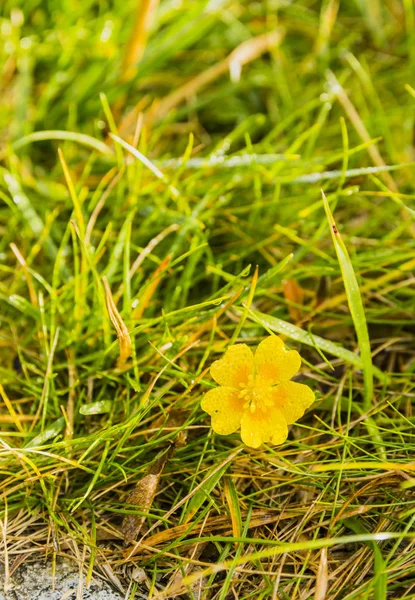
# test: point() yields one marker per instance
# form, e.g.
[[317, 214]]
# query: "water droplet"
[[25, 43], [106, 32]]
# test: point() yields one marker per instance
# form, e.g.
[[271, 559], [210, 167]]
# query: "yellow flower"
[[256, 393]]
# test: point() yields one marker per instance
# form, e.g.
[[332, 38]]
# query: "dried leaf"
[[143, 494], [293, 293], [142, 497]]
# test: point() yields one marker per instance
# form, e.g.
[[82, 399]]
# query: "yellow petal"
[[263, 426], [273, 363], [235, 367], [292, 399], [225, 408]]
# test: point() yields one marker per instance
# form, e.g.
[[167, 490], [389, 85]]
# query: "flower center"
[[256, 395]]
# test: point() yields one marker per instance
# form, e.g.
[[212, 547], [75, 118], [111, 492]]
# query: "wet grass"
[[144, 176]]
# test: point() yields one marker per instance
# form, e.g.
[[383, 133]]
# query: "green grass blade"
[[380, 584], [355, 302], [47, 434], [70, 136], [204, 492]]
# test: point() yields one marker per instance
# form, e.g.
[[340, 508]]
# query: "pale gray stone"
[[33, 581]]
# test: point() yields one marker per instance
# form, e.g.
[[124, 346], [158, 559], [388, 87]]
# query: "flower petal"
[[292, 399], [263, 426], [225, 408], [273, 363], [235, 367]]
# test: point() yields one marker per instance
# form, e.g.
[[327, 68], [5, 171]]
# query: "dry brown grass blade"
[[176, 582], [359, 126], [322, 577], [123, 336], [150, 290], [23, 264], [70, 406], [246, 52], [150, 247], [258, 519], [3, 525], [11, 419], [112, 178], [144, 17], [354, 498], [146, 252]]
